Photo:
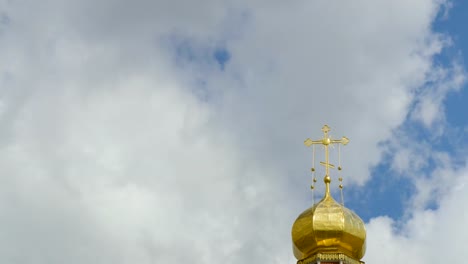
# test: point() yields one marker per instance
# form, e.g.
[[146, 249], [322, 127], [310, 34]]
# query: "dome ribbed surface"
[[328, 227]]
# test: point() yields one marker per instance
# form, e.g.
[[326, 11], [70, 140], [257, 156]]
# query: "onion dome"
[[328, 227]]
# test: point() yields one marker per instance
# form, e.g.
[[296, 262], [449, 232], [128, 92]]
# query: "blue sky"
[[389, 195], [453, 26], [172, 131]]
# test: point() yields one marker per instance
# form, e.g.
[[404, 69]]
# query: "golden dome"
[[328, 227], [328, 230]]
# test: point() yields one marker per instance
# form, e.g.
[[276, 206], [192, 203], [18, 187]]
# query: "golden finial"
[[326, 141]]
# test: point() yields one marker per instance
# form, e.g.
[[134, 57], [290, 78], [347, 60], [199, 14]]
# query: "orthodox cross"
[[326, 141]]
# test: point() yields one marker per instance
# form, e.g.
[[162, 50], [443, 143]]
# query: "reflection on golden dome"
[[328, 227]]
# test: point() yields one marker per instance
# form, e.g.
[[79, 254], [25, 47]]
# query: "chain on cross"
[[326, 141]]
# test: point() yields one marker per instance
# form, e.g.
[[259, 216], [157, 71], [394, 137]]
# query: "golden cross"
[[326, 141]]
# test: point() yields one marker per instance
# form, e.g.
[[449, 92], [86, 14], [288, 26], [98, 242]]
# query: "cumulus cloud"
[[124, 139]]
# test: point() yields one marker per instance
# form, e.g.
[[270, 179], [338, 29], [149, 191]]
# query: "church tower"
[[328, 232]]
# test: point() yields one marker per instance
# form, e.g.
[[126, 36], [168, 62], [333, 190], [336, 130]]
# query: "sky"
[[172, 131]]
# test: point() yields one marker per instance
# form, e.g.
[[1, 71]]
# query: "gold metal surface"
[[328, 228], [330, 257]]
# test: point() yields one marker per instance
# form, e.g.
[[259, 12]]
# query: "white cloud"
[[108, 155]]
